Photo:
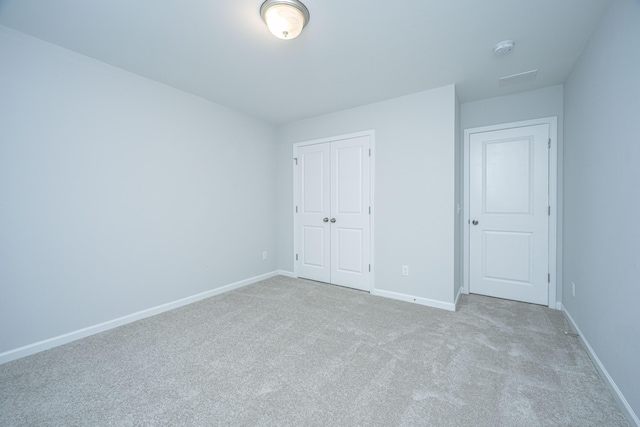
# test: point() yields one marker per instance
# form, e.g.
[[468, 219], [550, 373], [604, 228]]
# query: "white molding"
[[416, 300], [457, 299], [553, 200], [372, 186], [372, 137], [286, 273], [622, 401], [39, 346], [294, 162], [555, 208], [369, 132]]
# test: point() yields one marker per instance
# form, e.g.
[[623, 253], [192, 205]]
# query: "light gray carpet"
[[295, 352]]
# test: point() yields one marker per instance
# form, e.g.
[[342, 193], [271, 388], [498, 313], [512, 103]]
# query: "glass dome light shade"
[[285, 19]]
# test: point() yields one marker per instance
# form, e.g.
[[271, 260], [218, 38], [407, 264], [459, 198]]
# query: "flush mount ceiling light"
[[284, 18]]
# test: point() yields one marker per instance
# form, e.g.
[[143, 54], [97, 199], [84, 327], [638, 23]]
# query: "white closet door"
[[313, 204], [333, 217], [350, 210]]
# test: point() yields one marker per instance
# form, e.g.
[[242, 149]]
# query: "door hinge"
[[549, 142], [369, 210], [296, 209], [549, 211], [369, 152], [296, 160], [296, 257], [548, 277], [369, 268]]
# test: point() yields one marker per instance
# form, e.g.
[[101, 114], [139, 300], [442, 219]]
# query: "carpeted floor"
[[294, 352]]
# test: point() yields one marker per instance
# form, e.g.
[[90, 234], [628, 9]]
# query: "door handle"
[[325, 220], [333, 220], [474, 222]]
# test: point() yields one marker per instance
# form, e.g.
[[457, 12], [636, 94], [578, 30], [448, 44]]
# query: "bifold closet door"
[[334, 215]]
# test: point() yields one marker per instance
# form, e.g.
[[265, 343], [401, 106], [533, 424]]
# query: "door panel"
[[348, 179], [509, 200], [313, 177], [349, 251], [313, 254], [515, 247], [508, 184]]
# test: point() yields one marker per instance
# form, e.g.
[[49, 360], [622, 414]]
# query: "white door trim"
[[371, 135], [553, 197]]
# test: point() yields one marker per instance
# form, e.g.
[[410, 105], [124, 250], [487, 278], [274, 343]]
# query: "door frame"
[[553, 199], [371, 134]]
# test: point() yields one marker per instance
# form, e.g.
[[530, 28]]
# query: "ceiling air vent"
[[515, 79]]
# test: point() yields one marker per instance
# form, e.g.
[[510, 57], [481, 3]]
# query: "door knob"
[[333, 220], [474, 222], [325, 220]]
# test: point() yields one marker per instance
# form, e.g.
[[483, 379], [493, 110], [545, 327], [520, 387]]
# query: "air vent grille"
[[519, 78]]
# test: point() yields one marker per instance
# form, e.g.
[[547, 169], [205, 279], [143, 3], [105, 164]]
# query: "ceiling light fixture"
[[284, 18]]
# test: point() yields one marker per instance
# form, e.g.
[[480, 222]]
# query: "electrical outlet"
[[573, 289], [405, 270], [265, 255]]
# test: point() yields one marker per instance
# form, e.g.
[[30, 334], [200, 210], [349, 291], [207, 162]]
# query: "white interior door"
[[333, 215], [509, 220]]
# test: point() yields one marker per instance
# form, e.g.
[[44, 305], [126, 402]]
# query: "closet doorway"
[[333, 212]]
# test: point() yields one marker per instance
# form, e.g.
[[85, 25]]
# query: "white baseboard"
[[622, 401], [457, 299], [286, 273], [416, 300], [39, 346]]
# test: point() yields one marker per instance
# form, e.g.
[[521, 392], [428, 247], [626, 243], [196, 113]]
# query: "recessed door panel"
[[348, 178], [314, 250], [508, 182], [508, 256], [313, 171], [349, 251]]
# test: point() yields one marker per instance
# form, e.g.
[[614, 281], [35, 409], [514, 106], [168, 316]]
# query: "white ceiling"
[[352, 52]]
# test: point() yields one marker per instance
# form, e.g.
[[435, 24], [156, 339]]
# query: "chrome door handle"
[[325, 220], [333, 220], [474, 222]]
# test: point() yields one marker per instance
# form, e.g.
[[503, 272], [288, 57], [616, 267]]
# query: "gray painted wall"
[[547, 102], [528, 105], [414, 188], [602, 198], [118, 194]]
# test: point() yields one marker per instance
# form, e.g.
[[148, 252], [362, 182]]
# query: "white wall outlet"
[[405, 270], [265, 255], [573, 289]]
